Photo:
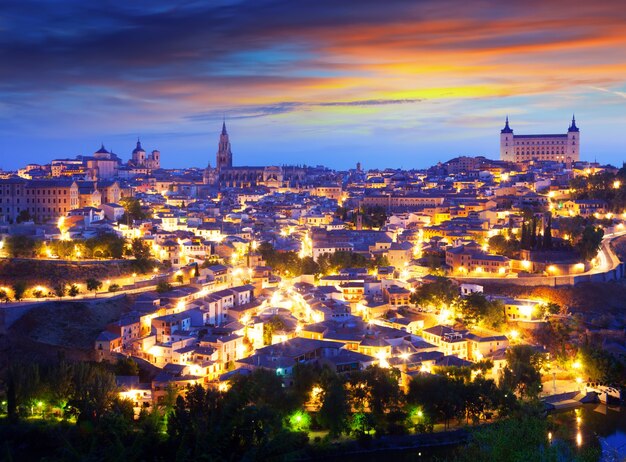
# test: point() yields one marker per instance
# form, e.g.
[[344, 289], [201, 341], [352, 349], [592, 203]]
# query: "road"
[[607, 261]]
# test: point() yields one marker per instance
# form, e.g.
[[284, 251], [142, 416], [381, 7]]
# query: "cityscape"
[[299, 274]]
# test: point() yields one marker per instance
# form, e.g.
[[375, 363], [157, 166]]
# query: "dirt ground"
[[47, 272], [62, 327]]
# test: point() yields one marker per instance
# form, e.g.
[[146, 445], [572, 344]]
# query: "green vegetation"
[[133, 210], [274, 324], [372, 217], [80, 390], [291, 264], [478, 309], [141, 251], [93, 285], [163, 287], [602, 186], [590, 242], [19, 290], [522, 374], [601, 366], [523, 437], [504, 245], [107, 245], [533, 236], [73, 291], [257, 418], [20, 246], [440, 293]]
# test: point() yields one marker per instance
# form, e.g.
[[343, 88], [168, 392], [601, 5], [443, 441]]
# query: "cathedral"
[[142, 160], [224, 175], [564, 148]]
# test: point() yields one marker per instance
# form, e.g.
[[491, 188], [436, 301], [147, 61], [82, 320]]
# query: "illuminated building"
[[563, 148]]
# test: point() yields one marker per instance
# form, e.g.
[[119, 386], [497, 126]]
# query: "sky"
[[395, 83]]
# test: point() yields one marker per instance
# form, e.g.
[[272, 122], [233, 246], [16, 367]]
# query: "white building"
[[525, 148]]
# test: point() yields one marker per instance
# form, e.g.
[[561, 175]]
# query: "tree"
[[73, 291], [522, 372], [439, 396], [19, 289], [373, 217], [309, 266], [602, 366], [94, 391], [59, 288], [590, 242], [275, 323], [132, 210], [141, 251], [520, 438], [4, 296], [93, 285], [335, 411], [23, 216], [442, 292], [547, 233], [126, 366], [502, 245], [478, 309], [163, 287], [107, 245], [20, 246]]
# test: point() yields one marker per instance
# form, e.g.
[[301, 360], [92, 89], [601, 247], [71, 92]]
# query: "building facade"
[[140, 159], [41, 200], [564, 148], [225, 175]]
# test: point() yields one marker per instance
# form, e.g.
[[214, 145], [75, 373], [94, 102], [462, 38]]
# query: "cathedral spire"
[[224, 158]]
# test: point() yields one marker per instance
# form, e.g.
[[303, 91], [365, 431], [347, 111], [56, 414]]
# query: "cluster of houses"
[[212, 329]]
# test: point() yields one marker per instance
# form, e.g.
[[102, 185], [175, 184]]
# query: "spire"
[[573, 127], [224, 127], [506, 128]]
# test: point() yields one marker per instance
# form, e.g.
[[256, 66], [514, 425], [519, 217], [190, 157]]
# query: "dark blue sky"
[[396, 83]]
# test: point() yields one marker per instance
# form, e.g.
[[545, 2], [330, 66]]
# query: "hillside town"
[[203, 279], [269, 267]]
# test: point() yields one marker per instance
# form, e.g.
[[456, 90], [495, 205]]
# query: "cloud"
[[621, 94], [250, 112], [148, 65]]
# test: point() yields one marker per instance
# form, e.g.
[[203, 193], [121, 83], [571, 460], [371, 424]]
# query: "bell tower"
[[224, 158]]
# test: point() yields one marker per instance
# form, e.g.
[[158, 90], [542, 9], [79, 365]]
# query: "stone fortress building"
[[224, 175], [564, 148]]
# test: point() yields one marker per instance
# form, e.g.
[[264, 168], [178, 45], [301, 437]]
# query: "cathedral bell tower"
[[224, 158]]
